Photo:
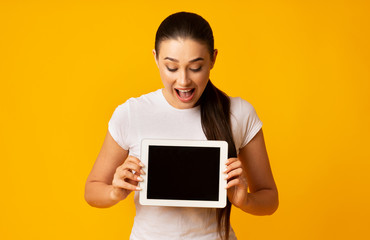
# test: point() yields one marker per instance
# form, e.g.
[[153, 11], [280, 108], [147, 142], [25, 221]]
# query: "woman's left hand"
[[237, 186]]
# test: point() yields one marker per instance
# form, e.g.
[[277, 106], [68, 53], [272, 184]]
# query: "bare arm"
[[252, 168], [111, 179]]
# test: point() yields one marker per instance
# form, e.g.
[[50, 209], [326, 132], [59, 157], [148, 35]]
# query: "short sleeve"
[[118, 125], [246, 120]]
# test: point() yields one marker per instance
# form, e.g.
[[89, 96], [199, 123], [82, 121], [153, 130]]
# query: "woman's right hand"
[[126, 178]]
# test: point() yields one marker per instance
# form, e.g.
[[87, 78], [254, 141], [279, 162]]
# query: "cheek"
[[202, 78], [167, 78], [167, 75]]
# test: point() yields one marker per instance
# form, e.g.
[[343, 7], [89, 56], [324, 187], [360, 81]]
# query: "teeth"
[[184, 91]]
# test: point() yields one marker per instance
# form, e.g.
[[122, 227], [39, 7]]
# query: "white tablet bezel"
[[221, 203]]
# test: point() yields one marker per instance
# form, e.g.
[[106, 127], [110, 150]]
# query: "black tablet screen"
[[183, 173]]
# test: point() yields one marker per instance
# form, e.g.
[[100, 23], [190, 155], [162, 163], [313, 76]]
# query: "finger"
[[125, 185], [233, 183], [135, 183], [134, 160], [234, 173], [233, 165], [231, 160], [126, 174], [130, 166], [140, 173]]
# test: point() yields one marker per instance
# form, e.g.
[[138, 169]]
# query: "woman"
[[188, 107]]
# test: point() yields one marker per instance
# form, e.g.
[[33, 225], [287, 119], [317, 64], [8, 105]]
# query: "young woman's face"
[[184, 66]]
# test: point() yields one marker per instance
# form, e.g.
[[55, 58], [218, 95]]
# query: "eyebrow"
[[175, 60]]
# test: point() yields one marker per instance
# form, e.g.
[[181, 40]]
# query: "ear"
[[155, 57], [215, 52]]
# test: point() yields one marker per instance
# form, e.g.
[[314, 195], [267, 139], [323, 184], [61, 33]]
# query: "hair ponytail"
[[215, 118]]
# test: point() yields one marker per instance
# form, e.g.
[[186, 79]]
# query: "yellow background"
[[66, 65]]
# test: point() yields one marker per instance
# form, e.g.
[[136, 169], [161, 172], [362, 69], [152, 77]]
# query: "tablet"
[[183, 173]]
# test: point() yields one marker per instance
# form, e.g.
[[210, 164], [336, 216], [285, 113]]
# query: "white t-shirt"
[[151, 116]]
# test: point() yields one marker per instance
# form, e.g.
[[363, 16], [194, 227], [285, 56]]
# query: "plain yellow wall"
[[66, 65]]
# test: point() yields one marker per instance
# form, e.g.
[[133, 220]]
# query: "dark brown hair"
[[214, 104]]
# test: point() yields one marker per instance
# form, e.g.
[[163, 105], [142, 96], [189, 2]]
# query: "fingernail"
[[138, 188], [141, 164], [225, 170], [226, 176], [142, 172], [140, 179]]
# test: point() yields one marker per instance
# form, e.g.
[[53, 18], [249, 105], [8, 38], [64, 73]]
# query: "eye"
[[171, 69], [196, 69]]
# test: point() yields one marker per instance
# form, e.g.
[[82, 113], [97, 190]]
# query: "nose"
[[183, 79]]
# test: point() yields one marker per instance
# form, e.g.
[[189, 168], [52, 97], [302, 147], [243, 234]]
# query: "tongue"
[[185, 94]]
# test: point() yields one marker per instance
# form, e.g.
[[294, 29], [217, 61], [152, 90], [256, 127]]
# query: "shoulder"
[[244, 120], [123, 117], [145, 99], [240, 106]]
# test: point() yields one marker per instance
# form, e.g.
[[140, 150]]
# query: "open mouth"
[[185, 95]]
